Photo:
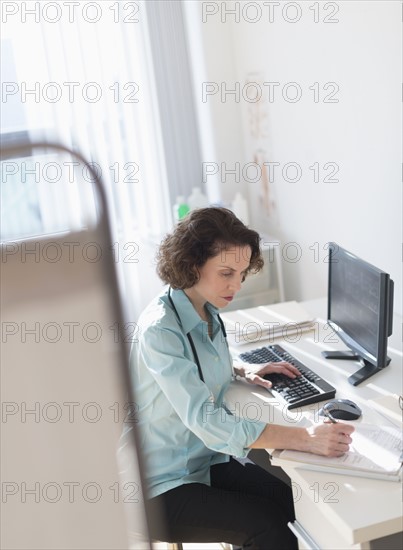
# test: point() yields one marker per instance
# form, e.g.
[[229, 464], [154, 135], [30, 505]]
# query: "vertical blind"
[[93, 79]]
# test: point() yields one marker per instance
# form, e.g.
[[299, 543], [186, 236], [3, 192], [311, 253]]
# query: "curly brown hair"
[[200, 236]]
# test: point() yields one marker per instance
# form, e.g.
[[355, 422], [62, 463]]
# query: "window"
[[102, 78]]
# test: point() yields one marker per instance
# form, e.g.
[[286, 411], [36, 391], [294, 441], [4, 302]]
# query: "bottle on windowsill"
[[197, 199], [180, 208], [240, 208]]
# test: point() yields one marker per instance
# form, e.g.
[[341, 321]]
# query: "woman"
[[181, 371]]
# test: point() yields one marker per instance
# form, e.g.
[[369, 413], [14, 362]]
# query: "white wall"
[[213, 62], [360, 133]]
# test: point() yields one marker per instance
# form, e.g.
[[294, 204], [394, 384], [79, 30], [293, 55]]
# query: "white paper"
[[252, 325], [374, 449]]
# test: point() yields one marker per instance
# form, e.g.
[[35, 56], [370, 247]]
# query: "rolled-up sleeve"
[[164, 352]]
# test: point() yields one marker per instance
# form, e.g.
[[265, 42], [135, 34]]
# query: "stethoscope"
[[196, 357]]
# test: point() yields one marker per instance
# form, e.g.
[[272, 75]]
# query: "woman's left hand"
[[254, 373]]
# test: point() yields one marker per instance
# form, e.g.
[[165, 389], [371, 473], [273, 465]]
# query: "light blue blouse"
[[184, 427]]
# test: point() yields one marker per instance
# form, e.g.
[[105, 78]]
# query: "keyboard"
[[297, 392]]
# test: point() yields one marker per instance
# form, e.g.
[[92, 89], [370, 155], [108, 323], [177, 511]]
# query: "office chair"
[[40, 290]]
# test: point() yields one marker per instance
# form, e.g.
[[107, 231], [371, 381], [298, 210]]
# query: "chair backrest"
[[66, 394]]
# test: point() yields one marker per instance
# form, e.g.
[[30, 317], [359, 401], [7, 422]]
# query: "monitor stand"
[[367, 370], [347, 354]]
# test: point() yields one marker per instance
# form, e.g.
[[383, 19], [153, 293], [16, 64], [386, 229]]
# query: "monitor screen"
[[360, 305]]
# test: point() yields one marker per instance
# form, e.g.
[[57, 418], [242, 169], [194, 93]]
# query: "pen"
[[329, 416]]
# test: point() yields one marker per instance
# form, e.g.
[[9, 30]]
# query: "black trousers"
[[245, 506]]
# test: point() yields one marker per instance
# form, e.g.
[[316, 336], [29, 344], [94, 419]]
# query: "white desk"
[[336, 511]]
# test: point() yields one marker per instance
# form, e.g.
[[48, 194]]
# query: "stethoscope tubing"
[[192, 345]]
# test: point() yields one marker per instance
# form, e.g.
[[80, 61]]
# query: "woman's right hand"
[[325, 439], [329, 439]]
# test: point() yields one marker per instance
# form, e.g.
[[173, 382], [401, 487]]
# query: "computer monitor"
[[360, 310]]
